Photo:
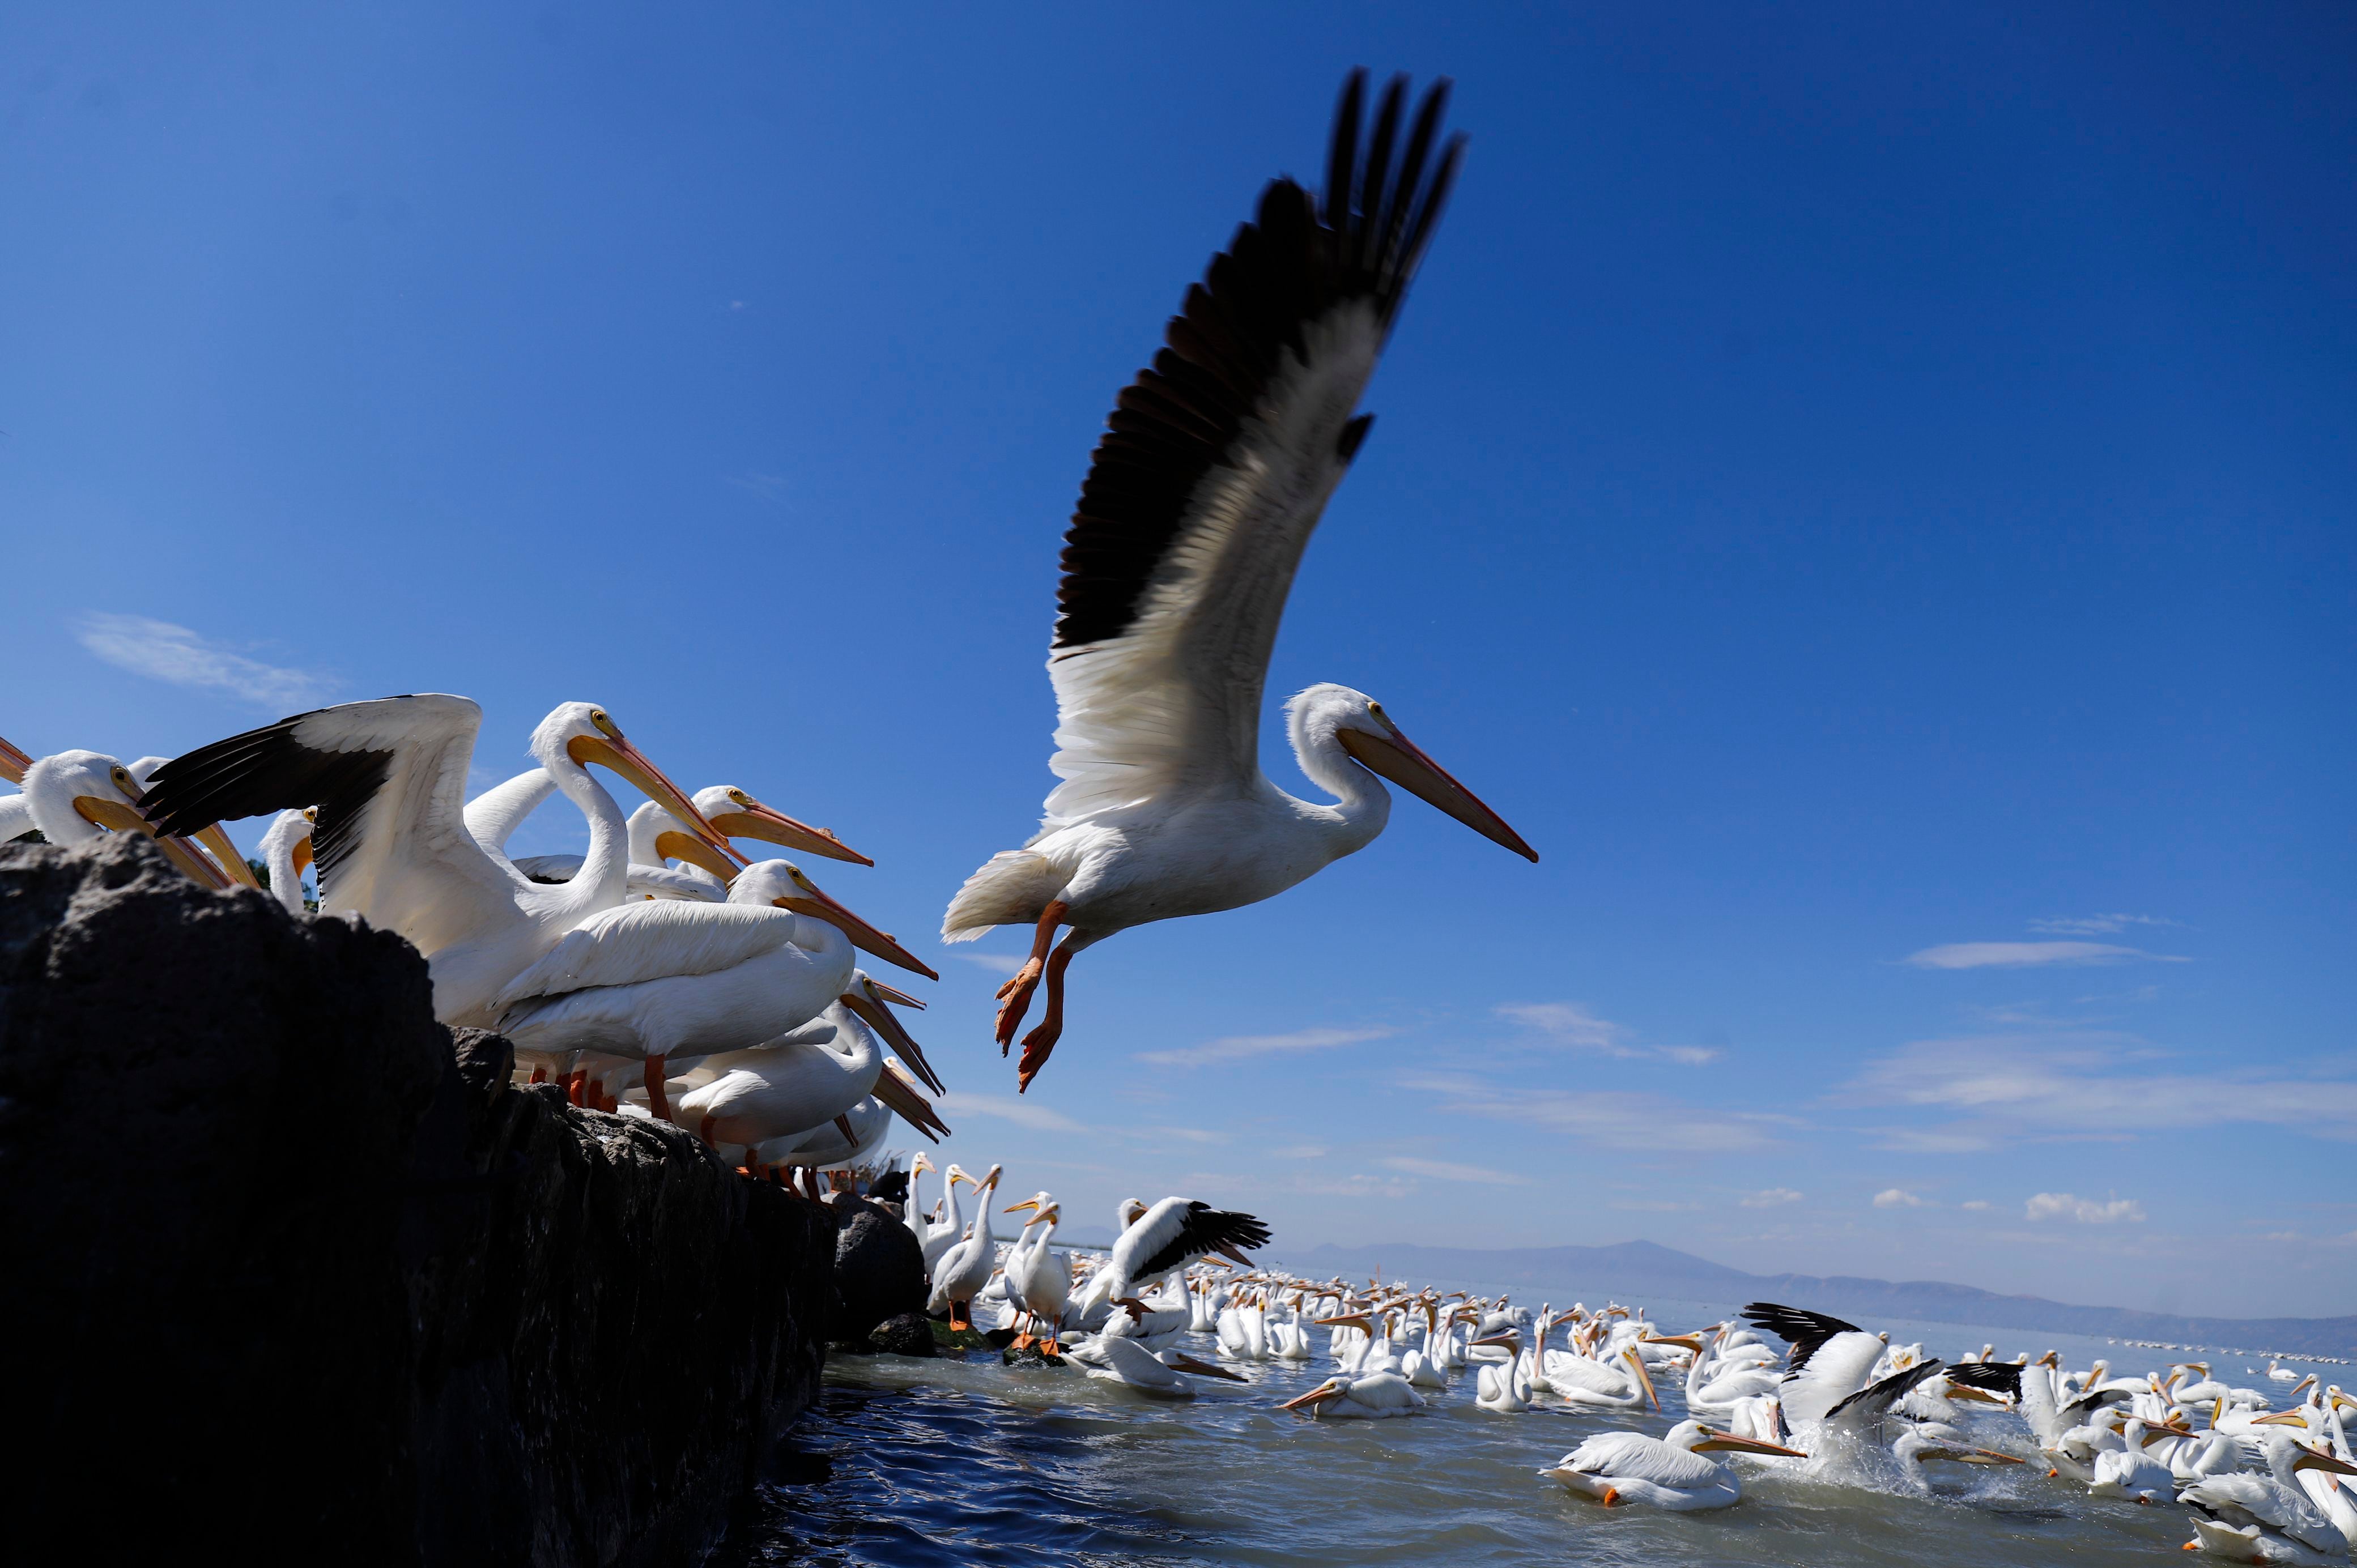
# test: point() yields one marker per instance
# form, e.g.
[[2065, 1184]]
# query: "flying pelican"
[[1667, 1472], [1215, 468], [391, 842]]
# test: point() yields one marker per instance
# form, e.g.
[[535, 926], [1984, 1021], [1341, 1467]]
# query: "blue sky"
[[1856, 488]]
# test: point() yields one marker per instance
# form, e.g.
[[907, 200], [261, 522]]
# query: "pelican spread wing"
[[389, 779], [1216, 464]]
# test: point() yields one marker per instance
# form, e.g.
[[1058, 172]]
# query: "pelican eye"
[[741, 798], [121, 775], [598, 716]]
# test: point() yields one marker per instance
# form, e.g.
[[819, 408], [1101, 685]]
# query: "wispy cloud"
[[2094, 925], [1975, 1204], [770, 487], [1022, 1112], [1574, 1024], [2085, 1211], [2078, 1084], [1769, 1198], [1190, 1134], [1240, 1047], [1611, 1118], [1898, 1197], [1005, 963], [163, 651], [1442, 1170], [1300, 1152], [2029, 955], [1571, 1022]]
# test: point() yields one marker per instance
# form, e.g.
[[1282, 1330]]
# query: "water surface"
[[952, 1462]]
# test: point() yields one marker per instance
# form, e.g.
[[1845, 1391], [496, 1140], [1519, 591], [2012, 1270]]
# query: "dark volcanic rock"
[[879, 1268], [307, 1279], [910, 1334]]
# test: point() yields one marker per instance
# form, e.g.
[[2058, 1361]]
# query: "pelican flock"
[[664, 974]]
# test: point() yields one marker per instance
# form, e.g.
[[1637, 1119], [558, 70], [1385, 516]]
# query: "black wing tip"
[[1994, 1377], [1300, 257], [1892, 1387]]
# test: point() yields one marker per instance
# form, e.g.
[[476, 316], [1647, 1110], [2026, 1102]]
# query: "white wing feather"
[[651, 941], [1633, 1456], [1171, 707]]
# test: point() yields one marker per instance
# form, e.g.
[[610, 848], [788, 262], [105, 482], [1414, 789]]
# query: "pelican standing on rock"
[[1216, 466]]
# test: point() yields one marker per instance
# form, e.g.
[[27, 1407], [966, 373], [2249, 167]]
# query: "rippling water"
[[954, 1462]]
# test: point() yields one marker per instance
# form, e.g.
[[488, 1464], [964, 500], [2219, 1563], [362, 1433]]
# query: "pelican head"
[[100, 791], [1696, 1438], [576, 735], [1327, 717], [739, 815], [1037, 1201], [1323, 1394]]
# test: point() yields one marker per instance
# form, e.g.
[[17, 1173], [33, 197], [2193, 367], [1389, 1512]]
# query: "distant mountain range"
[[1635, 1270]]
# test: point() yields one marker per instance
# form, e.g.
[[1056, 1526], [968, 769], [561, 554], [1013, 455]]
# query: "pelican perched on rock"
[[392, 844], [1217, 464], [74, 796], [1662, 1472], [653, 980], [966, 1267]]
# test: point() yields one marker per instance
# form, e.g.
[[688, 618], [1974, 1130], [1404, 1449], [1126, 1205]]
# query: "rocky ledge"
[[294, 1272]]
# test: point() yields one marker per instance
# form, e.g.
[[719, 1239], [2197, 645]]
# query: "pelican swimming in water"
[[1666, 1472]]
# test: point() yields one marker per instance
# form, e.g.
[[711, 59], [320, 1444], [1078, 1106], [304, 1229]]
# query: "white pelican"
[[286, 850], [2132, 1474], [2269, 1518], [1039, 1281], [795, 1084], [1203, 491], [1375, 1396], [1130, 1364], [1664, 1472], [1829, 1360], [2279, 1373], [74, 796], [652, 980], [913, 1213], [966, 1267], [1169, 1237], [391, 842], [656, 834]]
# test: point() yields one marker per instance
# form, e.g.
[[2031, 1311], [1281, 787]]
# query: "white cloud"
[[1022, 1112], [1897, 1197], [2094, 925], [1300, 1152], [1610, 1118], [1441, 1170], [1574, 1024], [2029, 955], [1975, 1204], [174, 654], [1238, 1048], [2086, 1082], [1571, 1022], [1770, 1197], [770, 487], [1006, 963], [2085, 1211], [1191, 1134]]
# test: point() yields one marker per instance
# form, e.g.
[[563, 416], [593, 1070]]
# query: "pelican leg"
[[1016, 994], [577, 1085], [1040, 1042], [657, 1100]]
